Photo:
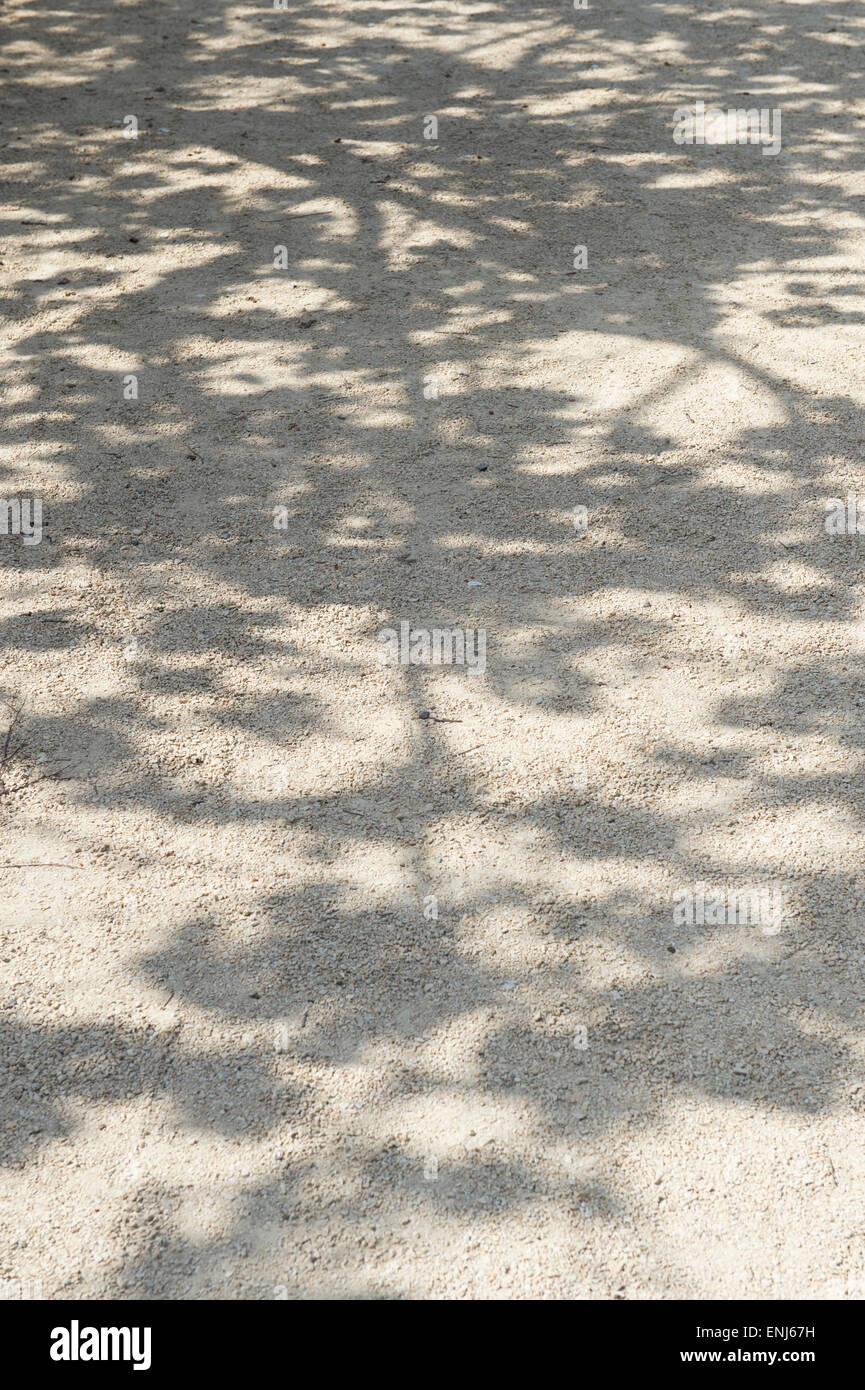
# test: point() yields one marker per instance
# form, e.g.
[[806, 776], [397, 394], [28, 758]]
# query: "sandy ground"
[[304, 994]]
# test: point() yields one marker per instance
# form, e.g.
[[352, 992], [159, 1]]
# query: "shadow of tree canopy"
[[427, 390]]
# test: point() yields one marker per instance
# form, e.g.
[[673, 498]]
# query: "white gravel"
[[303, 994]]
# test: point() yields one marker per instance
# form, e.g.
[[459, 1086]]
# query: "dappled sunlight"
[[287, 374]]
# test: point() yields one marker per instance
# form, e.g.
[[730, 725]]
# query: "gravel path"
[[324, 975]]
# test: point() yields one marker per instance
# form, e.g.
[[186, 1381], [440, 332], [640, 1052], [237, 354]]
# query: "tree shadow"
[[414, 404]]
